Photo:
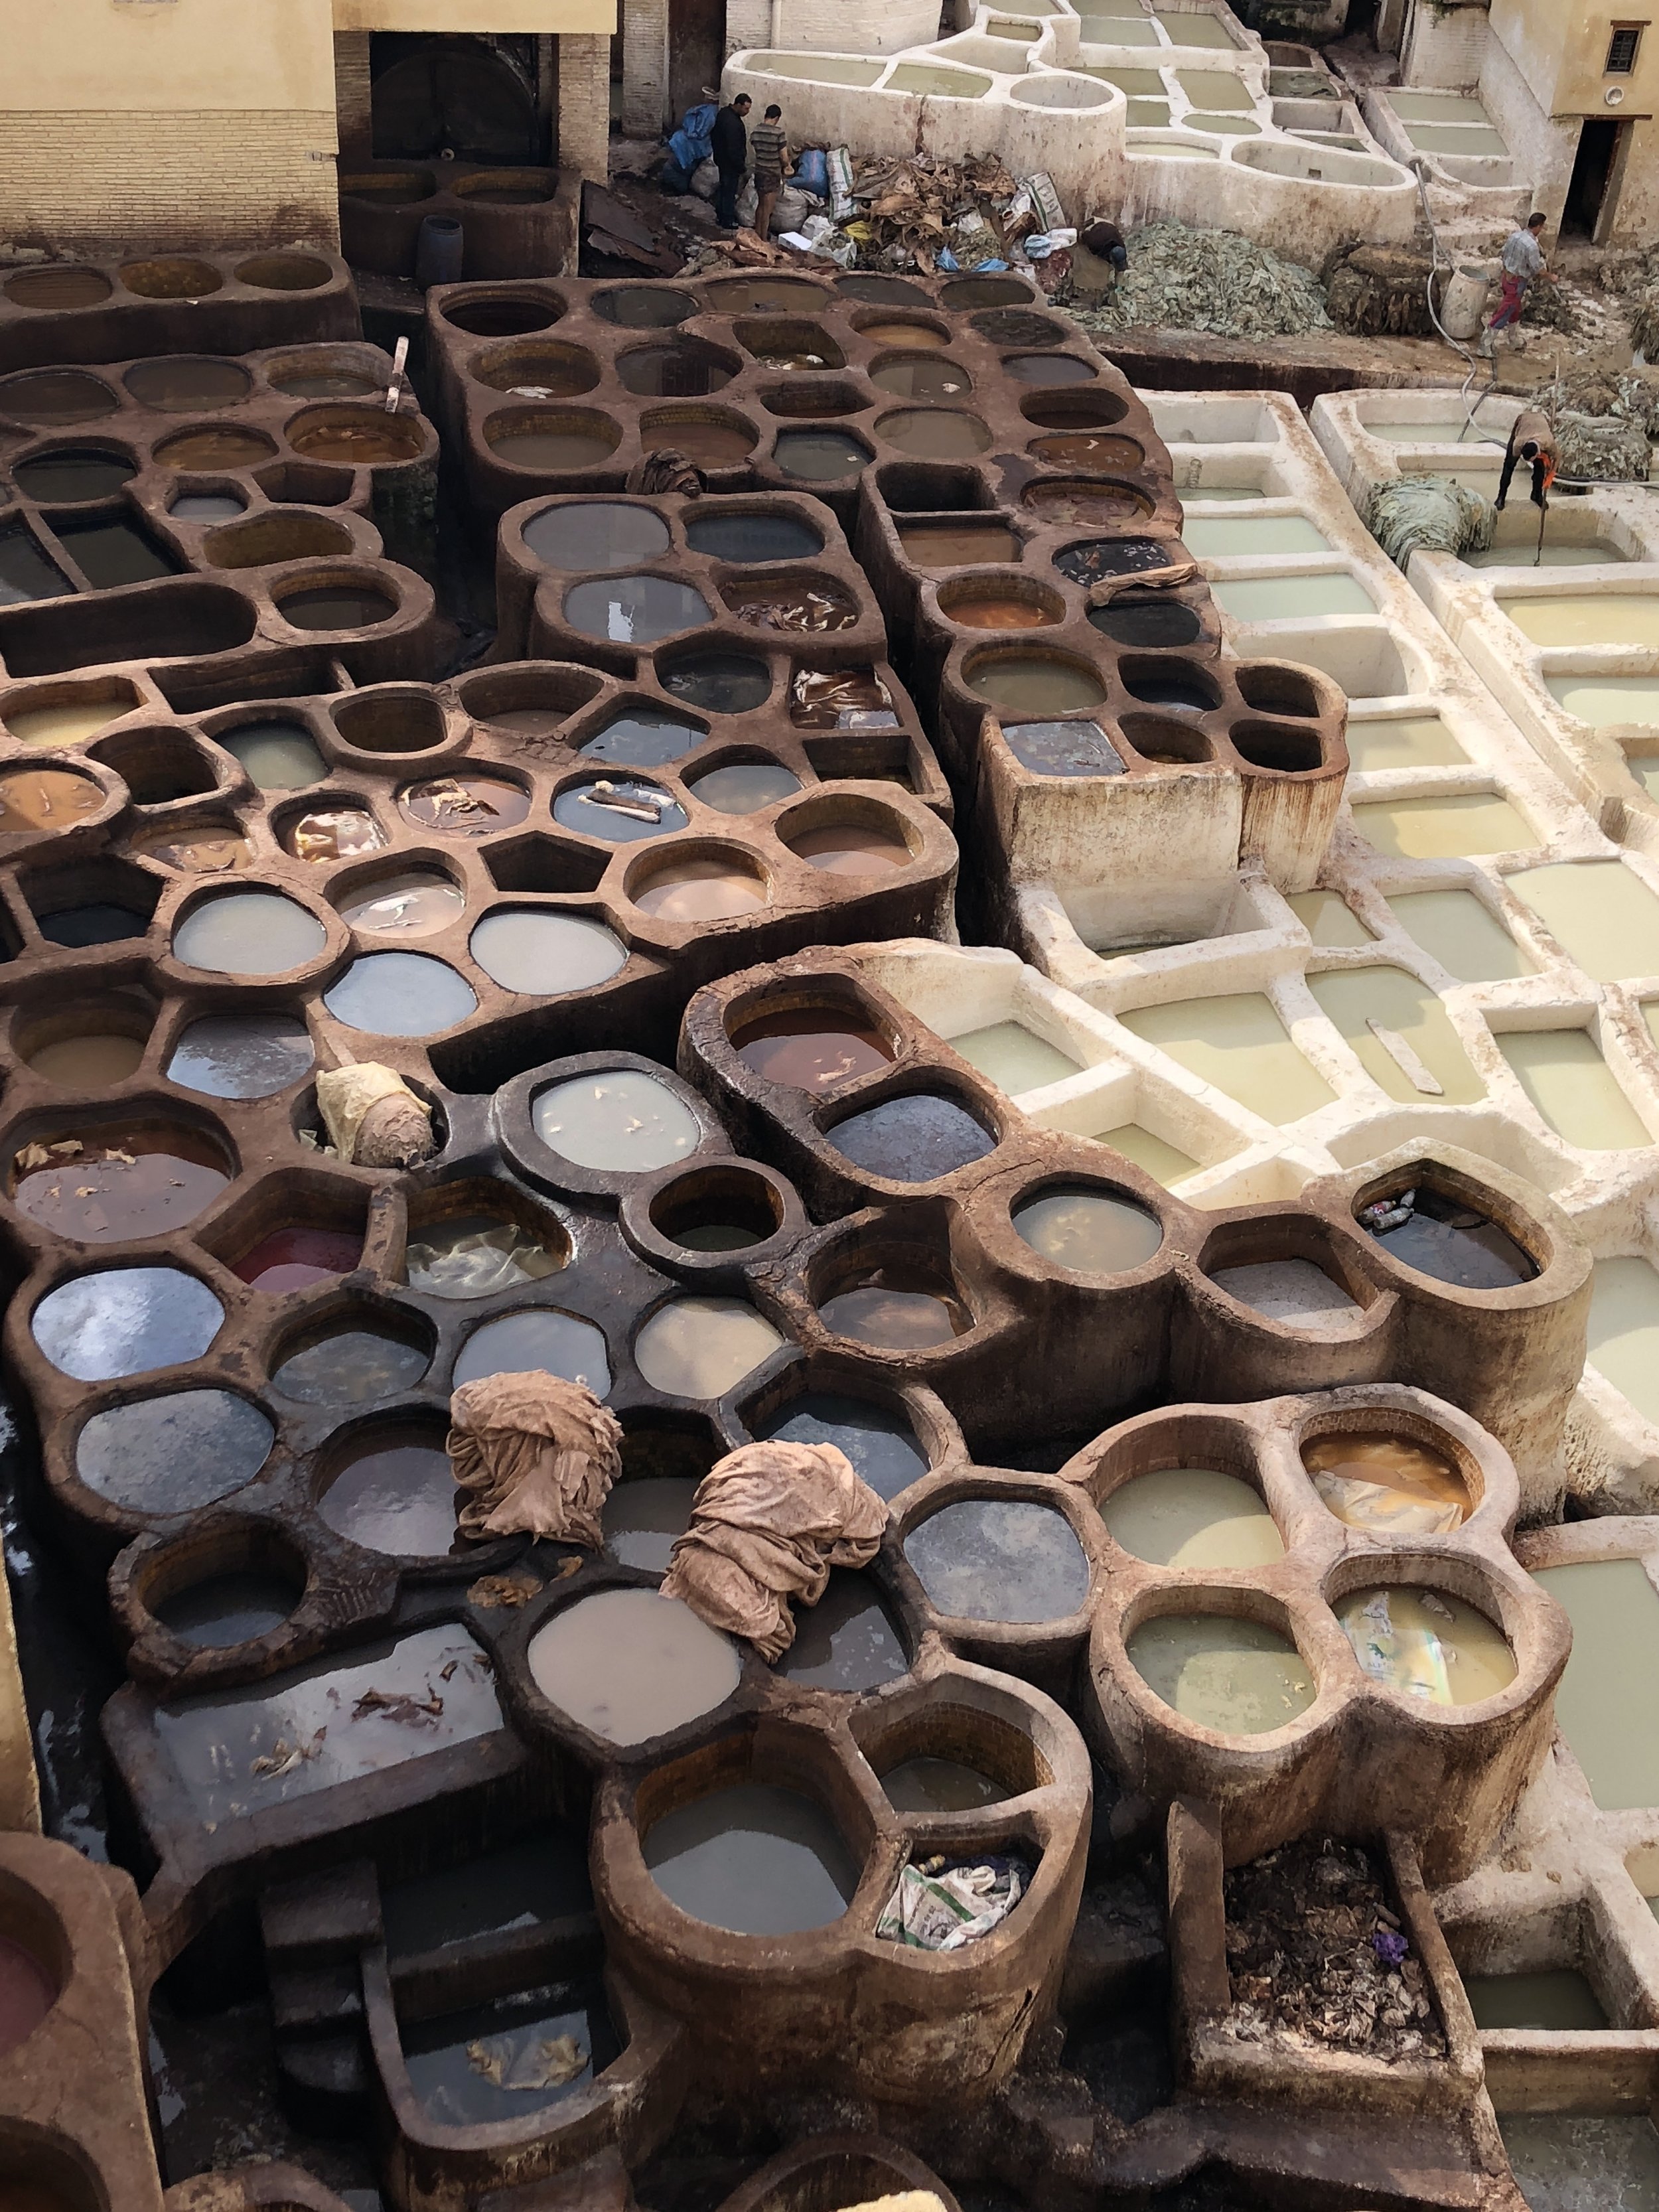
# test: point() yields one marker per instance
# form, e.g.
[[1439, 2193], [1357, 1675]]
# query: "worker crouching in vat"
[[1531, 440]]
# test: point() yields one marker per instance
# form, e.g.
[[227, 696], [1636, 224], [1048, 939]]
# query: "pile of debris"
[[1210, 280], [1379, 291], [1604, 422], [1317, 1957]]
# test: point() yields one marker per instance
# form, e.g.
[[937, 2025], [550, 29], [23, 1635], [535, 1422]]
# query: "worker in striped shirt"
[[769, 151]]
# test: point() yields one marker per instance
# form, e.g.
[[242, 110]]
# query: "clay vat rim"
[[918, 313], [401, 1419], [641, 1205], [61, 268], [1448, 1180], [150, 1109], [998, 1119], [1050, 1181], [1254, 726], [1485, 1495], [113, 1004], [344, 1308], [831, 807], [511, 674], [249, 524], [163, 1565], [798, 429], [298, 264], [268, 448], [973, 1484], [840, 1264], [352, 183], [193, 897], [502, 353], [1089, 408], [1525, 1621], [1200, 1593], [188, 265], [77, 373], [976, 583], [1342, 1261], [1129, 1450], [111, 789], [527, 1152], [837, 992], [534, 417], [34, 1921], [610, 291], [420, 700], [250, 381], [737, 858], [105, 446], [827, 1372]]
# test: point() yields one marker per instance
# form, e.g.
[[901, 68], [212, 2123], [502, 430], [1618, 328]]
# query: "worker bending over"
[[1532, 441]]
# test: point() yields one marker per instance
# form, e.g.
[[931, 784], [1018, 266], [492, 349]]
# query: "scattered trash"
[[1428, 514], [1209, 280], [508, 2064], [491, 1591], [372, 1118], [938, 1906], [532, 1455], [284, 1756], [1605, 448], [841, 699], [400, 1706], [1317, 1957]]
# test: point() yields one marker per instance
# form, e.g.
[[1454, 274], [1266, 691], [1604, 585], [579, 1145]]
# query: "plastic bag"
[[839, 167], [372, 1118], [1398, 1653], [939, 1907], [705, 179], [812, 172]]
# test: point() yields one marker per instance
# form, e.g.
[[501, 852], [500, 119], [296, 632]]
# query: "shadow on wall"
[[478, 99]]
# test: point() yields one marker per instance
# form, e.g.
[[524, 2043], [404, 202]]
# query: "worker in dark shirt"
[[1532, 441], [1105, 240], [729, 142]]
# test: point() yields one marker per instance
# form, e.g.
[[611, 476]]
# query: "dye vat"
[[597, 534], [705, 888], [702, 1347], [1463, 825], [1600, 912], [546, 955], [1239, 1043], [640, 307], [708, 441], [719, 683], [1238, 1677], [934, 433], [180, 383], [92, 1061], [394, 1493], [641, 736], [1554, 1997], [632, 1665], [765, 295], [1063, 749], [1603, 1705], [1096, 558], [415, 904], [984, 607], [1388, 1482], [819, 456], [1034, 684], [1454, 929], [241, 1055], [508, 2061], [883, 1447], [1409, 741], [334, 833], [1193, 1517], [229, 1609], [28, 1993], [248, 933], [939, 1786], [248, 1750], [294, 1258], [619, 811], [1290, 599], [914, 1138], [276, 755], [473, 1256], [1224, 536], [45, 398], [400, 995], [68, 723], [464, 806], [1090, 503], [1585, 618], [53, 290], [1569, 1083], [1623, 1330], [745, 788], [349, 1367], [620, 1120], [1293, 1293], [213, 447], [551, 442], [1328, 918], [300, 382], [683, 369], [1000, 1558], [1401, 1033], [1165, 1163], [846, 1641], [751, 537], [213, 851], [100, 922], [34, 800], [174, 1453], [849, 848], [634, 610], [642, 1517], [755, 1859], [1014, 1058], [337, 606], [1601, 700], [125, 1321], [79, 473], [1426, 1644], [539, 1340], [1453, 1243], [147, 1180], [207, 506], [1564, 2162], [1088, 1232], [957, 545], [25, 572], [897, 1312]]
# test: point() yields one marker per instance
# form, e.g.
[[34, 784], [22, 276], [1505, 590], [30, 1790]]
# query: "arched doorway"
[[473, 98]]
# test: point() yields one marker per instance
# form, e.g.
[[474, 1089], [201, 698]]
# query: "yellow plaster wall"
[[1560, 46], [544, 16], [160, 57]]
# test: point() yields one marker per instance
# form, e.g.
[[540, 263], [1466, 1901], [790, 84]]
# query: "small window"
[[1621, 48]]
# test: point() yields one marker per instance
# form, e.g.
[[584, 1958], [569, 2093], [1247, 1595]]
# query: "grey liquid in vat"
[[353, 1366], [229, 1609], [125, 1321], [539, 1340], [1000, 1558], [643, 1517], [881, 1445], [846, 1641], [641, 738], [912, 1140], [400, 995], [172, 1454], [241, 1055], [546, 954], [755, 1859], [619, 811]]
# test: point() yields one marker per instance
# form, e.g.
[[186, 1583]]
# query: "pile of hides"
[[1210, 280], [1317, 1958], [373, 1120], [910, 212], [767, 1524], [532, 1455], [1379, 291], [1604, 449], [1428, 514], [1603, 393]]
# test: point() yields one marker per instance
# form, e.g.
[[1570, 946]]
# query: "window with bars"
[[1621, 48]]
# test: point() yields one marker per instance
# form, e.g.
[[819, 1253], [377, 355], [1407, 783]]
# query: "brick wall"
[[1443, 45], [351, 93], [80, 180]]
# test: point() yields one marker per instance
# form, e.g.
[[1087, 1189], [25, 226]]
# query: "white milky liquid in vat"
[[1219, 537], [248, 933], [631, 1664], [1237, 1676], [1605, 1706], [1574, 1088], [1165, 1163], [1601, 700], [66, 724], [1014, 1058], [1239, 1043], [620, 1118], [1218, 494], [1462, 825], [1294, 1293], [1624, 1329], [1328, 919], [1407, 1011], [701, 1347], [1600, 912], [1457, 930], [1585, 617], [1413, 741], [1193, 1516], [1291, 598]]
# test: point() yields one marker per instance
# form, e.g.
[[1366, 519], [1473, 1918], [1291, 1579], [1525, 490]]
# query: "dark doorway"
[[458, 96], [696, 49], [1598, 147]]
